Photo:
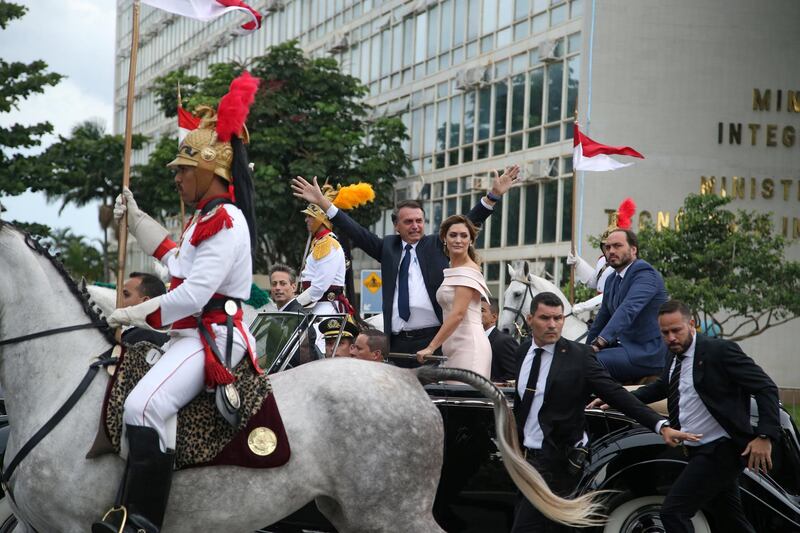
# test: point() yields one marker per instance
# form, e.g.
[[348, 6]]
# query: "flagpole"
[[574, 216], [180, 105], [126, 165]]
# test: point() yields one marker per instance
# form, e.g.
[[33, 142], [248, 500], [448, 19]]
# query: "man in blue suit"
[[625, 333]]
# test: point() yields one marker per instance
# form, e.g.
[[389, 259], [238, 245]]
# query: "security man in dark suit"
[[625, 332], [555, 379], [504, 346], [708, 383], [412, 263]]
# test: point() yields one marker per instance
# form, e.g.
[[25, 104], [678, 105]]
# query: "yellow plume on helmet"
[[353, 196]]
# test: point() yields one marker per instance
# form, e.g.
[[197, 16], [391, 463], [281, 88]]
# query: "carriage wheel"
[[642, 515]]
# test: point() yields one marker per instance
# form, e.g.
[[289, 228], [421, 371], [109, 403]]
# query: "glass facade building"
[[479, 84]]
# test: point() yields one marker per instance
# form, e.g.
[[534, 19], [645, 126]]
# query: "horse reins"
[[103, 360], [54, 331]]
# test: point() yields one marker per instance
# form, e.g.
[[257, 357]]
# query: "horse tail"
[[582, 511]]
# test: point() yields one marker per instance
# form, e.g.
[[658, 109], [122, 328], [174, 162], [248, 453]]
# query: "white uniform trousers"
[[175, 380]]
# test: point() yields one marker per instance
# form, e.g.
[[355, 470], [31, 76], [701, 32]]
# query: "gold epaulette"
[[322, 247]]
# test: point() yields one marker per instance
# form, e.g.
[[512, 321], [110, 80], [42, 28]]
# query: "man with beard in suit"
[[625, 334], [555, 379], [504, 347], [708, 383]]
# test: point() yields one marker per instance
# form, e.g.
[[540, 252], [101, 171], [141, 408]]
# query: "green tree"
[[80, 169], [728, 266], [308, 119], [81, 259], [18, 81], [153, 184]]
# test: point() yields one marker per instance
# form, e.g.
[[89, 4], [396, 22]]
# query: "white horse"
[[524, 285], [334, 412]]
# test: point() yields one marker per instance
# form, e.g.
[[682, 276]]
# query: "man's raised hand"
[[310, 192], [503, 182]]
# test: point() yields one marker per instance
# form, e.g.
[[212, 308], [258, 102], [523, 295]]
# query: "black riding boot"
[[146, 486]]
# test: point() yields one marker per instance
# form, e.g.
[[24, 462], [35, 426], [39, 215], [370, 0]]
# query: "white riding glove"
[[135, 315], [304, 298], [589, 305], [583, 270], [147, 232]]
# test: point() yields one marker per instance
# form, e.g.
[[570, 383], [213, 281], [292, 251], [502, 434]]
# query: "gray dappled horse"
[[337, 414], [524, 285]]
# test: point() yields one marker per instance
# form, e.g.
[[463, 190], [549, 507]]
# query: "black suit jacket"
[[574, 374], [504, 355], [724, 378], [387, 251]]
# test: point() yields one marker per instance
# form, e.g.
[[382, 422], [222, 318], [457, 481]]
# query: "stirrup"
[[116, 509]]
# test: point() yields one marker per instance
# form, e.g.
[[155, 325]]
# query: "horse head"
[[526, 281], [541, 284], [516, 299]]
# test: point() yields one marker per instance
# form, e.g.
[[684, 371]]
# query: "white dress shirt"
[[692, 412], [422, 314], [624, 271], [489, 331], [533, 436], [532, 431]]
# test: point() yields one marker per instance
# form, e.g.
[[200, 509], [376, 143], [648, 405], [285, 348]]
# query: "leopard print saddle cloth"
[[204, 438]]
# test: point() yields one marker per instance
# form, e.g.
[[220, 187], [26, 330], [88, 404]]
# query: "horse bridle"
[[525, 330], [103, 360]]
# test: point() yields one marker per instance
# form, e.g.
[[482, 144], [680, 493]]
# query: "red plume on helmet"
[[625, 212], [234, 106]]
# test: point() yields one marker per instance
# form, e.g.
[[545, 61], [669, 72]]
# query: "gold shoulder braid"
[[322, 247]]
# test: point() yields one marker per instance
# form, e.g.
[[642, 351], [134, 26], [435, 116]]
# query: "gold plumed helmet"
[[346, 198], [316, 212], [202, 149], [208, 147]]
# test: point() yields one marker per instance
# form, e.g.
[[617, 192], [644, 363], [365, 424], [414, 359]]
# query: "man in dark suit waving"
[[708, 383], [412, 263], [556, 377], [625, 333]]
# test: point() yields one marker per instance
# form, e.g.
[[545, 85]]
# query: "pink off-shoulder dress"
[[468, 347]]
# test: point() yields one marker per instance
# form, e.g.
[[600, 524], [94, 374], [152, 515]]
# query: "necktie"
[[674, 394], [615, 290], [530, 387], [403, 306]]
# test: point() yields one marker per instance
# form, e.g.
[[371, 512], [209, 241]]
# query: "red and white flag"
[[186, 123], [206, 10], [591, 155]]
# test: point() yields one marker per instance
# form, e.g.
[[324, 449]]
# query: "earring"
[[444, 247]]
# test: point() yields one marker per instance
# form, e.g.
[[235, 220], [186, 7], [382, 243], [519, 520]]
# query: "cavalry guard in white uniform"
[[595, 277], [212, 272], [323, 277]]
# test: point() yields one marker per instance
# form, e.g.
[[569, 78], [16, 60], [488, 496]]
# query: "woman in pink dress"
[[461, 336]]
